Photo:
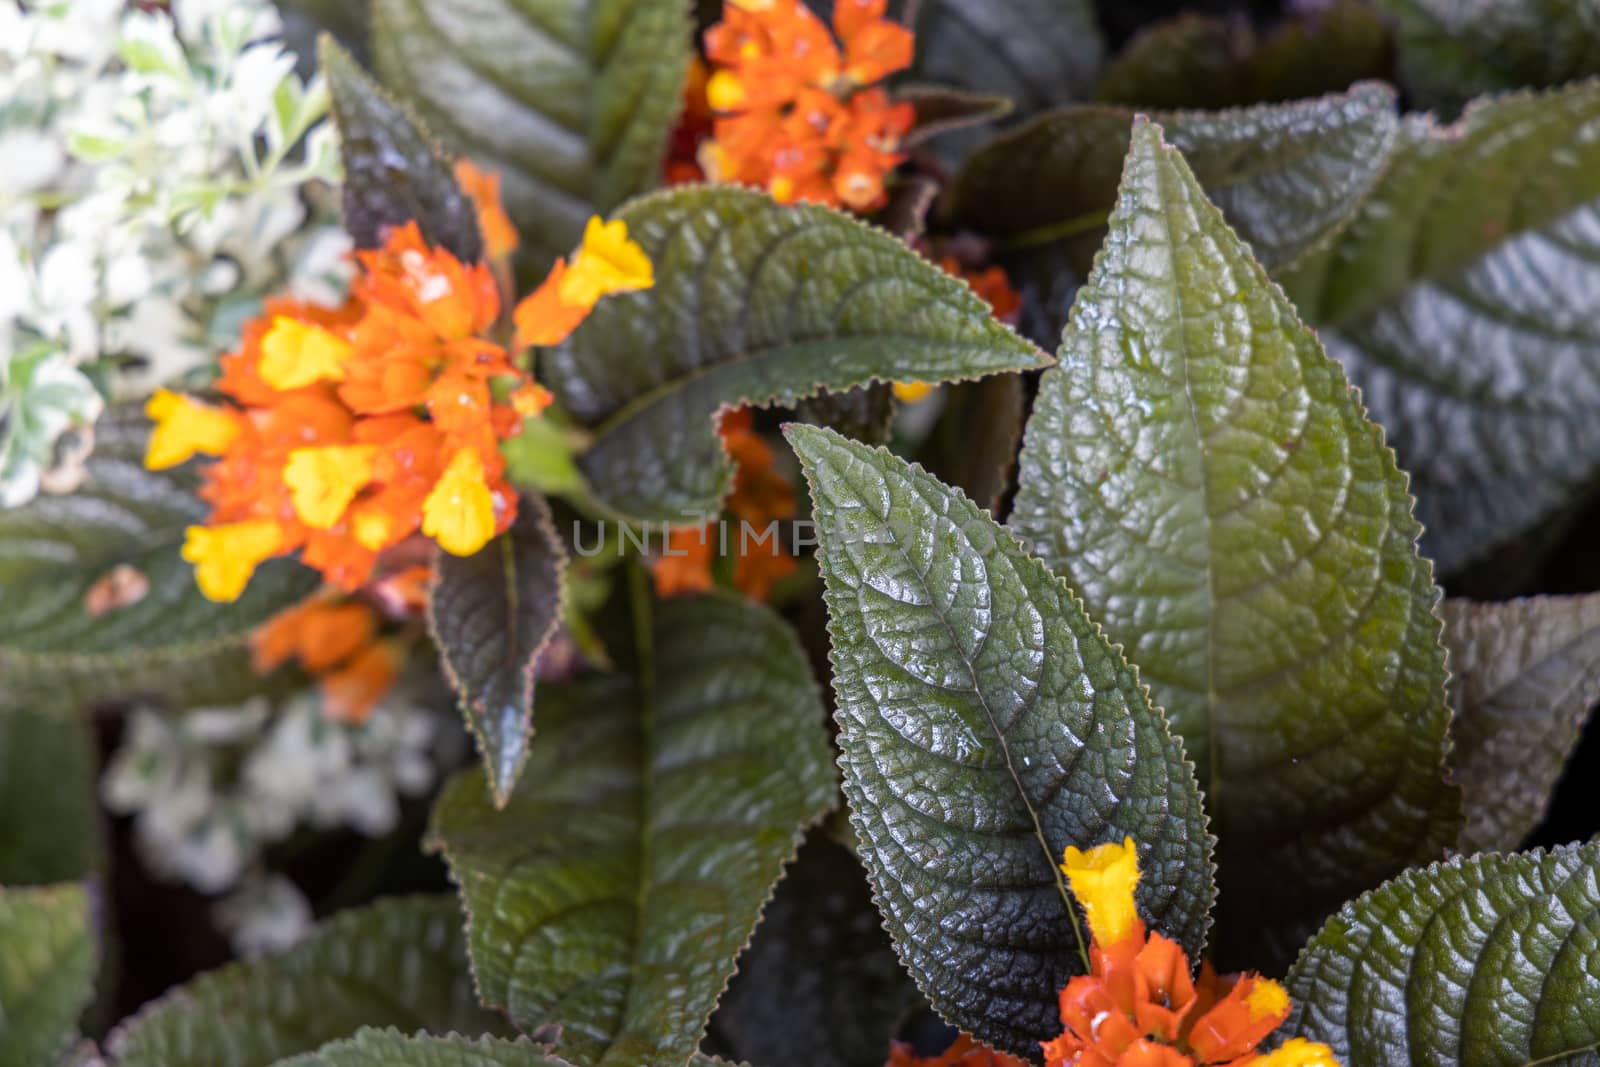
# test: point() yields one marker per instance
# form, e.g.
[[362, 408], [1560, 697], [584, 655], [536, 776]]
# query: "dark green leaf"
[[1458, 302], [390, 1048], [611, 897], [1489, 960], [1035, 53], [570, 101], [1524, 675], [754, 302], [975, 441], [1453, 50], [941, 109], [1287, 176], [1197, 61], [865, 413], [1200, 472], [47, 961], [49, 821], [491, 614], [400, 962], [393, 170], [173, 642], [820, 984], [986, 725]]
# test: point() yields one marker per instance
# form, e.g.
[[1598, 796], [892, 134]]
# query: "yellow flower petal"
[[1298, 1052], [725, 92], [295, 354], [606, 262], [911, 392], [323, 480], [459, 512], [782, 189], [225, 557], [183, 429], [1267, 998], [1103, 880]]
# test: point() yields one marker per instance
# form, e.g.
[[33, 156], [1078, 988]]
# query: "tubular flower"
[[483, 189], [335, 640], [350, 431], [963, 1052], [1138, 1005], [797, 111]]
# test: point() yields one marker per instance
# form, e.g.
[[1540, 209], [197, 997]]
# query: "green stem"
[[1056, 231]]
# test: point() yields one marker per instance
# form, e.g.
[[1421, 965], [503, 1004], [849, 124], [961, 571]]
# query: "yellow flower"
[[606, 262], [225, 557], [911, 392], [725, 92], [323, 480], [1298, 1052], [184, 428], [295, 354], [459, 512], [1267, 998], [1103, 880]]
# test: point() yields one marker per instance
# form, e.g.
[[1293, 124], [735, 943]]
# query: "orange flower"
[[350, 693], [350, 430], [483, 189], [795, 112], [963, 1052], [685, 566], [682, 163], [335, 641]]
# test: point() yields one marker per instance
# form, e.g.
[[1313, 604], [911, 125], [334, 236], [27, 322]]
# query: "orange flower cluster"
[[796, 113], [350, 430], [964, 1052], [336, 641], [761, 494]]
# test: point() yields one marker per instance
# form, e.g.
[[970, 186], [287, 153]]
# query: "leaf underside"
[[47, 961], [172, 643], [986, 724], [754, 303], [1479, 961], [610, 898], [491, 615], [1459, 302], [1199, 471], [400, 962], [1524, 676]]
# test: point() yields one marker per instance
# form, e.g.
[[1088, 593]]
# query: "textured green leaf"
[[820, 984], [172, 643], [1489, 961], [1453, 50], [1458, 301], [47, 961], [390, 1048], [1198, 61], [49, 821], [491, 614], [1200, 472], [1524, 676], [986, 724], [611, 897], [393, 170], [1287, 176], [754, 302], [400, 962], [570, 101]]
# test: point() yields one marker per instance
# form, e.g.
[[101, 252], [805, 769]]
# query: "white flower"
[[266, 914]]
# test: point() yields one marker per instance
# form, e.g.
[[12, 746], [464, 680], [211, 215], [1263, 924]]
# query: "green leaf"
[[1479, 961], [986, 724], [172, 643], [1457, 301], [570, 101], [867, 414], [975, 440], [49, 820], [1524, 675], [1200, 61], [47, 961], [399, 962], [390, 1048], [820, 984], [1037, 53], [754, 302], [491, 615], [1453, 50], [941, 109], [1287, 176], [393, 170], [1199, 471], [611, 897]]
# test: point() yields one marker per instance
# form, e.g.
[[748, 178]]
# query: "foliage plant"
[[877, 535]]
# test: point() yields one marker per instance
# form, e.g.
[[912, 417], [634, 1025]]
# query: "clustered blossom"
[[799, 113], [350, 430], [334, 640], [1139, 1006], [164, 169]]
